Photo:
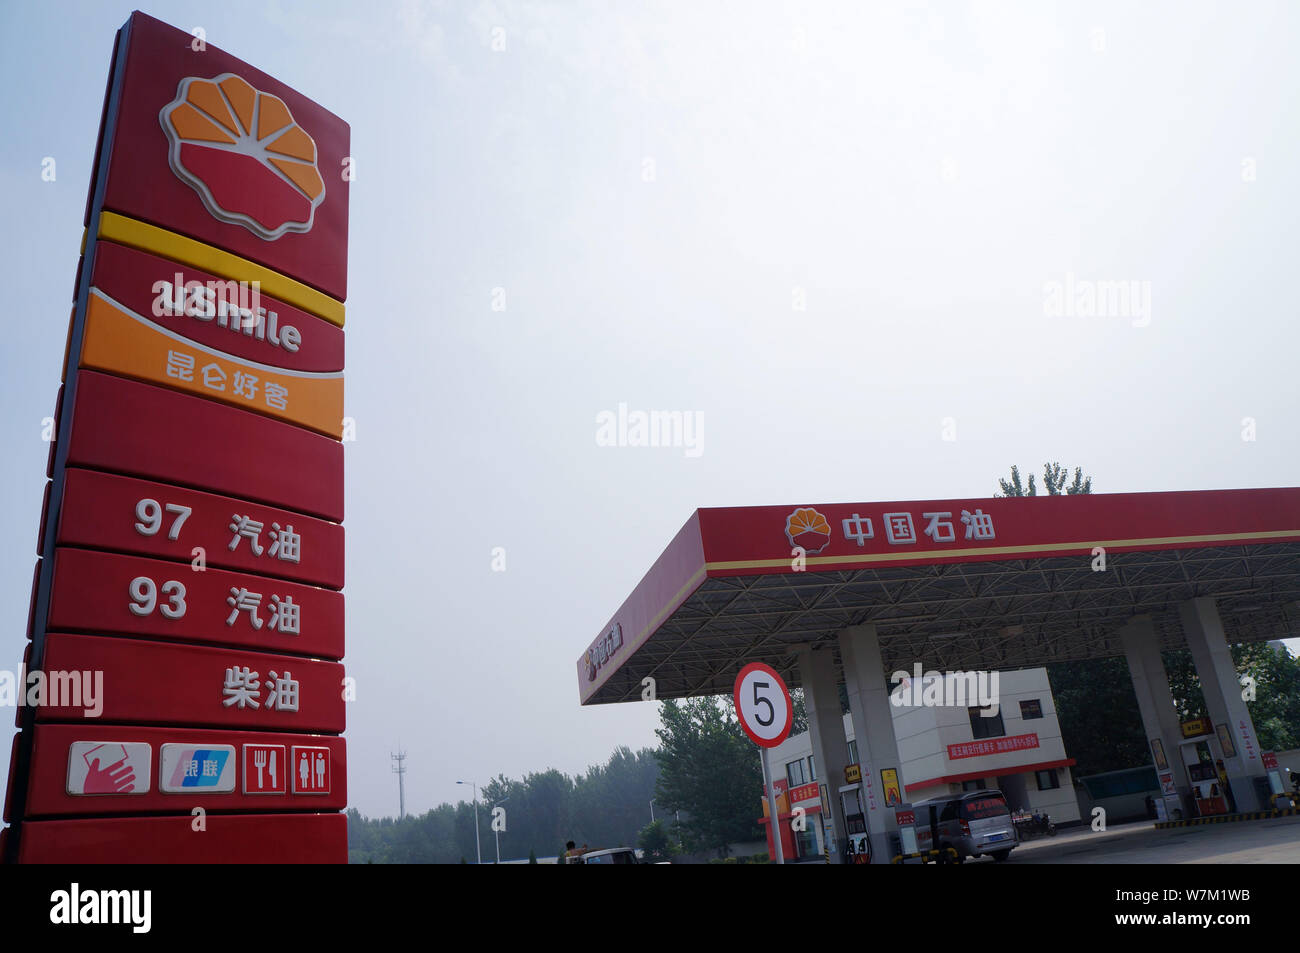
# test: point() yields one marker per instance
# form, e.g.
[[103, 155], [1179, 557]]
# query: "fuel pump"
[[857, 849], [1209, 783]]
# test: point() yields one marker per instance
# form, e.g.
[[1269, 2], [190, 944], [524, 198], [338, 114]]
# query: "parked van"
[[973, 823]]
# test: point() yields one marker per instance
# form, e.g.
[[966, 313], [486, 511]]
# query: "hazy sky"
[[658, 188]]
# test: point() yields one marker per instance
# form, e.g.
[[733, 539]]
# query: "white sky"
[[920, 171]]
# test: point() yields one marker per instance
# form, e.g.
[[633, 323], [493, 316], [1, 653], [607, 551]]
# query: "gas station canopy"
[[962, 584]]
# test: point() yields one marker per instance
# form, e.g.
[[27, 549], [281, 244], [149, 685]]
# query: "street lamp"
[[652, 811], [495, 830], [477, 850]]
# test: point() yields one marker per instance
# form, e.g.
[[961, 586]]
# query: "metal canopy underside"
[[961, 616]]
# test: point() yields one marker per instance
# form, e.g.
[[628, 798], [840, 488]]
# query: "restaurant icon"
[[265, 769]]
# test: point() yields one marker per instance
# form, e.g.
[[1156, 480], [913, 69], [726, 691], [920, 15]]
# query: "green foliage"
[[799, 715], [655, 842], [1097, 708], [605, 806], [1101, 726], [710, 770], [1054, 478], [1100, 723], [1275, 710]]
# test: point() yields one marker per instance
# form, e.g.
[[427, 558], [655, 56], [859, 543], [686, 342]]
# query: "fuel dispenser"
[[1202, 758], [857, 849]]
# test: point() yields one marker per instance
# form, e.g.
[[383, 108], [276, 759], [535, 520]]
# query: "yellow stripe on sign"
[[159, 241], [119, 341]]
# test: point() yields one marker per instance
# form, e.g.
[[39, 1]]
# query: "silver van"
[[973, 823]]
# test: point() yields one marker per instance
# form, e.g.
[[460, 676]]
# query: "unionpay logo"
[[242, 152], [187, 767], [807, 528]]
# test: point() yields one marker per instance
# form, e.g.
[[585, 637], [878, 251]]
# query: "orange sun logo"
[[241, 151], [807, 528]]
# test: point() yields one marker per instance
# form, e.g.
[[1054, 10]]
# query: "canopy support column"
[[873, 729], [826, 727], [1222, 689], [1156, 706]]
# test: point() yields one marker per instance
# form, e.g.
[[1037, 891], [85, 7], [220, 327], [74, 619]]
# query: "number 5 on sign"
[[763, 704]]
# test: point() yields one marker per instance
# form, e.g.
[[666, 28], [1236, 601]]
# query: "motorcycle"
[[1031, 825]]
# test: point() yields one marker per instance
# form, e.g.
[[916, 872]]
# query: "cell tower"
[[400, 770]]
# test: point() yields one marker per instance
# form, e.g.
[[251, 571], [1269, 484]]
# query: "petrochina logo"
[[241, 150], [604, 650], [809, 529]]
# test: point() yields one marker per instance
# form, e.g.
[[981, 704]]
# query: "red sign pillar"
[[183, 698]]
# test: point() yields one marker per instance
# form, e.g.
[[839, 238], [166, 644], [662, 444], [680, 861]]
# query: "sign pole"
[[774, 822], [766, 713]]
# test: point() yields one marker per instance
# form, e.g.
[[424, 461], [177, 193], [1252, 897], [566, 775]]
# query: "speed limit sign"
[[763, 704]]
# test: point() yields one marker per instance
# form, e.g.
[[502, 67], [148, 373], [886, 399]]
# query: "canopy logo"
[[808, 529], [242, 152], [604, 650]]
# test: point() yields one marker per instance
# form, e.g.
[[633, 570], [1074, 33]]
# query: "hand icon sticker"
[[117, 778], [109, 767]]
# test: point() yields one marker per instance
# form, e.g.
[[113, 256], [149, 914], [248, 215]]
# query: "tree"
[[799, 712], [1275, 709], [1095, 704], [532, 856], [1054, 478], [708, 768], [654, 840], [1098, 713]]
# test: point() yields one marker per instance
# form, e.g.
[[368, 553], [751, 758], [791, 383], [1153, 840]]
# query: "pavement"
[[1267, 841]]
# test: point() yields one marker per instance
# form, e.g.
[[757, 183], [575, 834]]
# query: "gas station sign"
[[127, 427], [127, 595], [109, 512], [148, 682], [223, 154], [229, 316], [187, 619], [123, 342], [69, 756]]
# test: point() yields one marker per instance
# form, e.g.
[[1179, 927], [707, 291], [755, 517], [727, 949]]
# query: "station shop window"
[[794, 773], [812, 769], [1047, 780], [805, 842], [1031, 708], [853, 751], [976, 785], [1130, 781], [981, 727]]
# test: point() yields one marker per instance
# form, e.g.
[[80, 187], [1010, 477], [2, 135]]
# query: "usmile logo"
[[242, 152], [604, 650], [808, 529]]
